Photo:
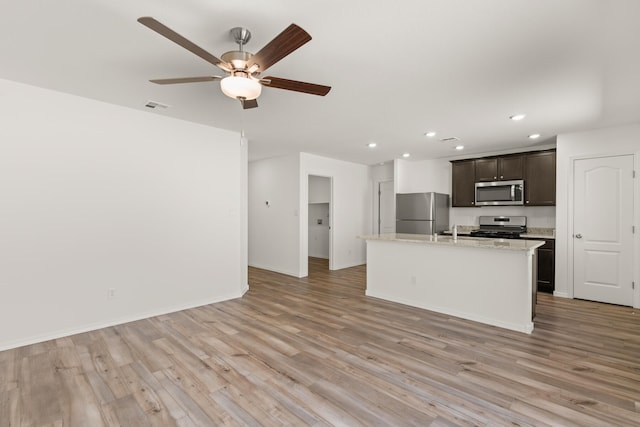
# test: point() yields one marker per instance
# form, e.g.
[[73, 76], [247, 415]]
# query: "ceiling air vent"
[[450, 139], [154, 104]]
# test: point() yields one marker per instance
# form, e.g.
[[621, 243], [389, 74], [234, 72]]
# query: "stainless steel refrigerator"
[[422, 213]]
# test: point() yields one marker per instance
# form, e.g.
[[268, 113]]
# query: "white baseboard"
[[244, 289], [275, 270], [112, 322], [341, 266]]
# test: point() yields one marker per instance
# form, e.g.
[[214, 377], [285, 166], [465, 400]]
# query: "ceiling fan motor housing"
[[238, 59], [240, 35]]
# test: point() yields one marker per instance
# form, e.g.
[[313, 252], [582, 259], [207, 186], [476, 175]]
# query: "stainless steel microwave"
[[497, 193]]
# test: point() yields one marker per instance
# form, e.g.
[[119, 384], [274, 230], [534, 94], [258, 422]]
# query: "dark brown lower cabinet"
[[546, 266]]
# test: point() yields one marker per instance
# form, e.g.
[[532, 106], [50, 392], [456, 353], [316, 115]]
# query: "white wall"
[[596, 143], [274, 230], [423, 176], [319, 233], [319, 189], [278, 235], [351, 207], [96, 196]]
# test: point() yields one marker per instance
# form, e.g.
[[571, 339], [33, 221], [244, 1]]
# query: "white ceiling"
[[398, 69]]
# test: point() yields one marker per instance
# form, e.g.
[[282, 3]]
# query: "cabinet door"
[[486, 169], [463, 183], [546, 267], [510, 167], [540, 179]]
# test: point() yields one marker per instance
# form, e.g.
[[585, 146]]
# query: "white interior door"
[[386, 208], [603, 229]]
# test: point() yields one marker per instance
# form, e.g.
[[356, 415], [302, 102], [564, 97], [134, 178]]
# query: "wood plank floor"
[[316, 351]]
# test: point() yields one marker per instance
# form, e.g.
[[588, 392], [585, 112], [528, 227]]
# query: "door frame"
[[304, 221], [571, 211]]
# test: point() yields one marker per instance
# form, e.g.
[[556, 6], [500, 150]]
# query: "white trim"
[[118, 321], [275, 270], [356, 264], [244, 288], [561, 294], [636, 223]]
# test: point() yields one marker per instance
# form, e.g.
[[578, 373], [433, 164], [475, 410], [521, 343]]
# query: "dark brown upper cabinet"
[[510, 167], [503, 168], [463, 175], [540, 178], [537, 168], [487, 169]]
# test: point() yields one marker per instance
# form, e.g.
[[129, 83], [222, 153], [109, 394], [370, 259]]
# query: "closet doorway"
[[319, 224]]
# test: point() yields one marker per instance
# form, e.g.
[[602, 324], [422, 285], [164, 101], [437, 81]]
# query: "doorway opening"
[[319, 221]]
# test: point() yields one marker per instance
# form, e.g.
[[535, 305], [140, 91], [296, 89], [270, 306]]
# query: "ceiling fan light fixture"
[[240, 87]]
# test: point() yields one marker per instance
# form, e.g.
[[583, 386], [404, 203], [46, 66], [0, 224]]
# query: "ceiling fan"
[[243, 69]]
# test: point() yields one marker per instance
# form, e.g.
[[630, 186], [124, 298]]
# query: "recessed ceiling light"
[[459, 147], [406, 155], [430, 134], [372, 145], [517, 117], [534, 136]]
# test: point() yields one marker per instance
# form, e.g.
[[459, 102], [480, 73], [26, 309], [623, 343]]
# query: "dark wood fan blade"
[[297, 86], [185, 80], [167, 32], [282, 45], [249, 103]]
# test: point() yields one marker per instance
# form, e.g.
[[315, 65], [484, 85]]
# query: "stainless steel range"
[[501, 227]]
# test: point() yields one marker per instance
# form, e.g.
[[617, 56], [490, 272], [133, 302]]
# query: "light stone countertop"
[[539, 233], [532, 232], [462, 241]]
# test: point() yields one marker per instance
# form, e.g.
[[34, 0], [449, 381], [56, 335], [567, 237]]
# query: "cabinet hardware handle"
[[578, 236], [527, 201], [501, 176]]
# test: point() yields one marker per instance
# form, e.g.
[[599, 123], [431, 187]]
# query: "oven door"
[[500, 193]]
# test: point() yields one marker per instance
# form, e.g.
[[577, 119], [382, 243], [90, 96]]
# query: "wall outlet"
[[111, 293]]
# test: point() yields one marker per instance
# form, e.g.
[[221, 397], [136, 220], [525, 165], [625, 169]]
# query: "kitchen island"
[[484, 280]]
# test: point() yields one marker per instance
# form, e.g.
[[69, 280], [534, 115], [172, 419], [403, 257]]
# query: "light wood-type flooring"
[[316, 351]]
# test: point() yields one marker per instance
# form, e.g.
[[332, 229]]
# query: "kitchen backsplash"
[[537, 216]]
